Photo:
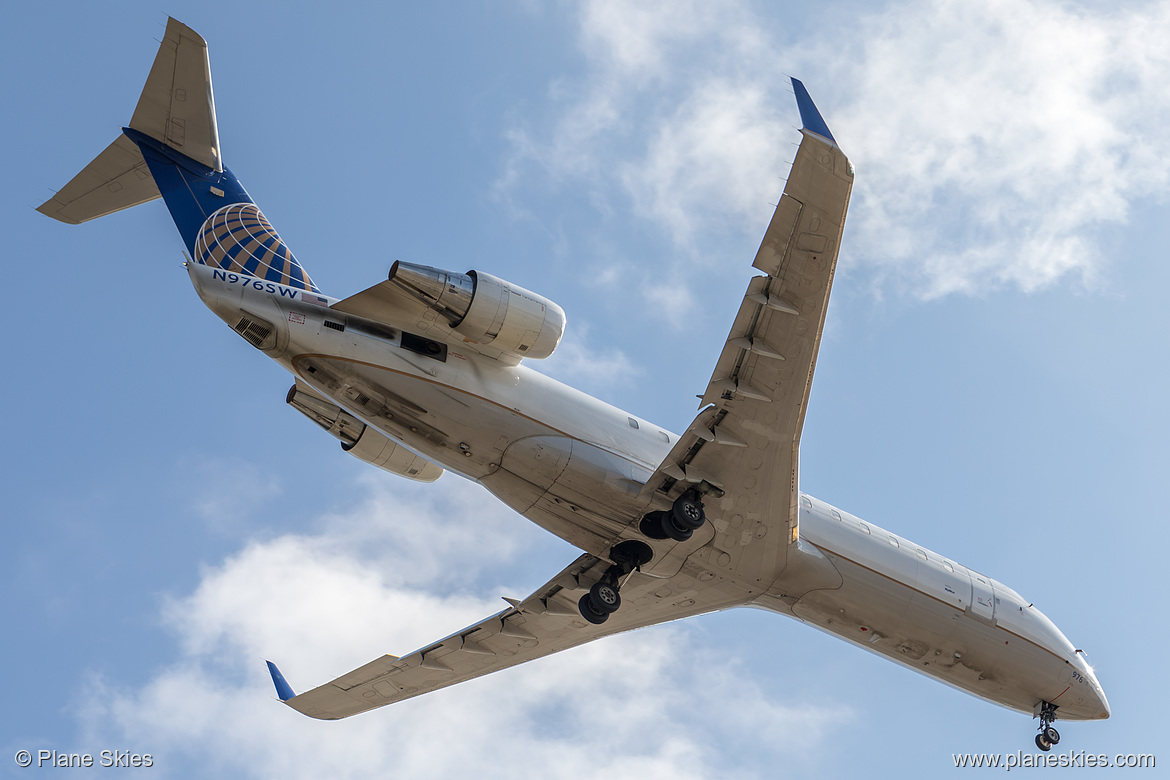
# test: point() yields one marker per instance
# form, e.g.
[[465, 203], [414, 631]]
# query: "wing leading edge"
[[742, 449]]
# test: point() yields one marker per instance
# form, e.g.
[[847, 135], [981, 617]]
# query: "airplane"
[[429, 370]]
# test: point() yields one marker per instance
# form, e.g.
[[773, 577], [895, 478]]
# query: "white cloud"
[[591, 370], [992, 140], [329, 602]]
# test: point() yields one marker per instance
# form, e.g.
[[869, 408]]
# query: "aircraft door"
[[982, 597]]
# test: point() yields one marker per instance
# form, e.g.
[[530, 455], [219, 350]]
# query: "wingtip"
[[810, 117], [283, 689]]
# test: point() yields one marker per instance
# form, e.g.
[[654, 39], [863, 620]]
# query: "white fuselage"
[[576, 465]]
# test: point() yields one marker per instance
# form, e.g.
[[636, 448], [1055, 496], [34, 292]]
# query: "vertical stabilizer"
[[171, 149], [177, 106]]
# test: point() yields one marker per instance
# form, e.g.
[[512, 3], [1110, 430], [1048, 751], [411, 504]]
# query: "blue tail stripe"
[[217, 218], [298, 277], [186, 186]]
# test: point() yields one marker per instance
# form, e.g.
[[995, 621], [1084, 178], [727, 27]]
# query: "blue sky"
[[991, 383]]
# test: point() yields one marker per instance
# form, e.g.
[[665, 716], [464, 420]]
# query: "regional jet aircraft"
[[430, 369]]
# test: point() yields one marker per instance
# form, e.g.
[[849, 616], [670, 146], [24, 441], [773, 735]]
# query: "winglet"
[[809, 116], [283, 689]]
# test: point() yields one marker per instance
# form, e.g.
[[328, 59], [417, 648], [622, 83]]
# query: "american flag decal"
[[314, 299]]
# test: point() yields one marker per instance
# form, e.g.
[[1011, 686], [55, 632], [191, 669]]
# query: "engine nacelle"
[[486, 310], [359, 439]]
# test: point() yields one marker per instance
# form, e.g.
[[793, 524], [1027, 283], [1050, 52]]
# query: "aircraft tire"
[[1052, 735], [585, 605], [688, 512], [604, 598], [672, 529], [1043, 743]]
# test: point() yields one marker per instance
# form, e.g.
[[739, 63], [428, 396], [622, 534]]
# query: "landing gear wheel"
[[604, 598], [671, 528], [589, 613], [688, 511], [1048, 736]]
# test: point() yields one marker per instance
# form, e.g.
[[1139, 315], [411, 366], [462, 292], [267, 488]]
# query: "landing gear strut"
[[604, 596], [1048, 736]]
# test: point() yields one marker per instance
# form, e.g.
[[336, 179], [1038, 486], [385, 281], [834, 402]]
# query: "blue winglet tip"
[[283, 689], [809, 116]]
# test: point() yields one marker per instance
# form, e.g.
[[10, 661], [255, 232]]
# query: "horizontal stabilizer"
[[176, 108], [116, 179]]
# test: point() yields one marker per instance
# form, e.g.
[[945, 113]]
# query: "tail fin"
[[176, 107], [171, 149]]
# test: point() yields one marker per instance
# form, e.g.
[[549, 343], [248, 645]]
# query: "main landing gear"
[[604, 596], [1048, 736], [678, 522]]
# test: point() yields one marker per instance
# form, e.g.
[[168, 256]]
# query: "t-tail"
[[171, 150]]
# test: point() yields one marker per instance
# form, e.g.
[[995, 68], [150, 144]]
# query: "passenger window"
[[836, 515], [922, 553], [664, 437], [633, 423], [864, 528], [948, 567], [807, 503], [893, 540]]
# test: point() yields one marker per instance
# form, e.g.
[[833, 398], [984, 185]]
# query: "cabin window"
[[922, 553], [806, 502], [633, 423], [664, 437], [836, 514], [948, 567], [893, 540], [864, 528]]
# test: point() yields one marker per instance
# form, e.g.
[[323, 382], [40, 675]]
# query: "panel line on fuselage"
[[828, 551], [322, 356]]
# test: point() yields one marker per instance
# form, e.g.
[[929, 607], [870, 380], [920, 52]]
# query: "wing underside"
[[740, 454], [546, 622], [743, 446]]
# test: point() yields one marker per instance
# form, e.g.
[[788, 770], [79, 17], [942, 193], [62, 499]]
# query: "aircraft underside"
[[429, 370]]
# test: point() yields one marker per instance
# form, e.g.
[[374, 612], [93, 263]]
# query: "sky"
[[991, 382]]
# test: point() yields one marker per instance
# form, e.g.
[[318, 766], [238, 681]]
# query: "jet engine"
[[486, 310], [359, 439]]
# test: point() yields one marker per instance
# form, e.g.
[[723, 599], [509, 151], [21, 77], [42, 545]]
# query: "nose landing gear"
[[1048, 736]]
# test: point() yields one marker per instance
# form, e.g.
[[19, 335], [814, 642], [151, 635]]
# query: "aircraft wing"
[[544, 623], [744, 442], [741, 449]]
